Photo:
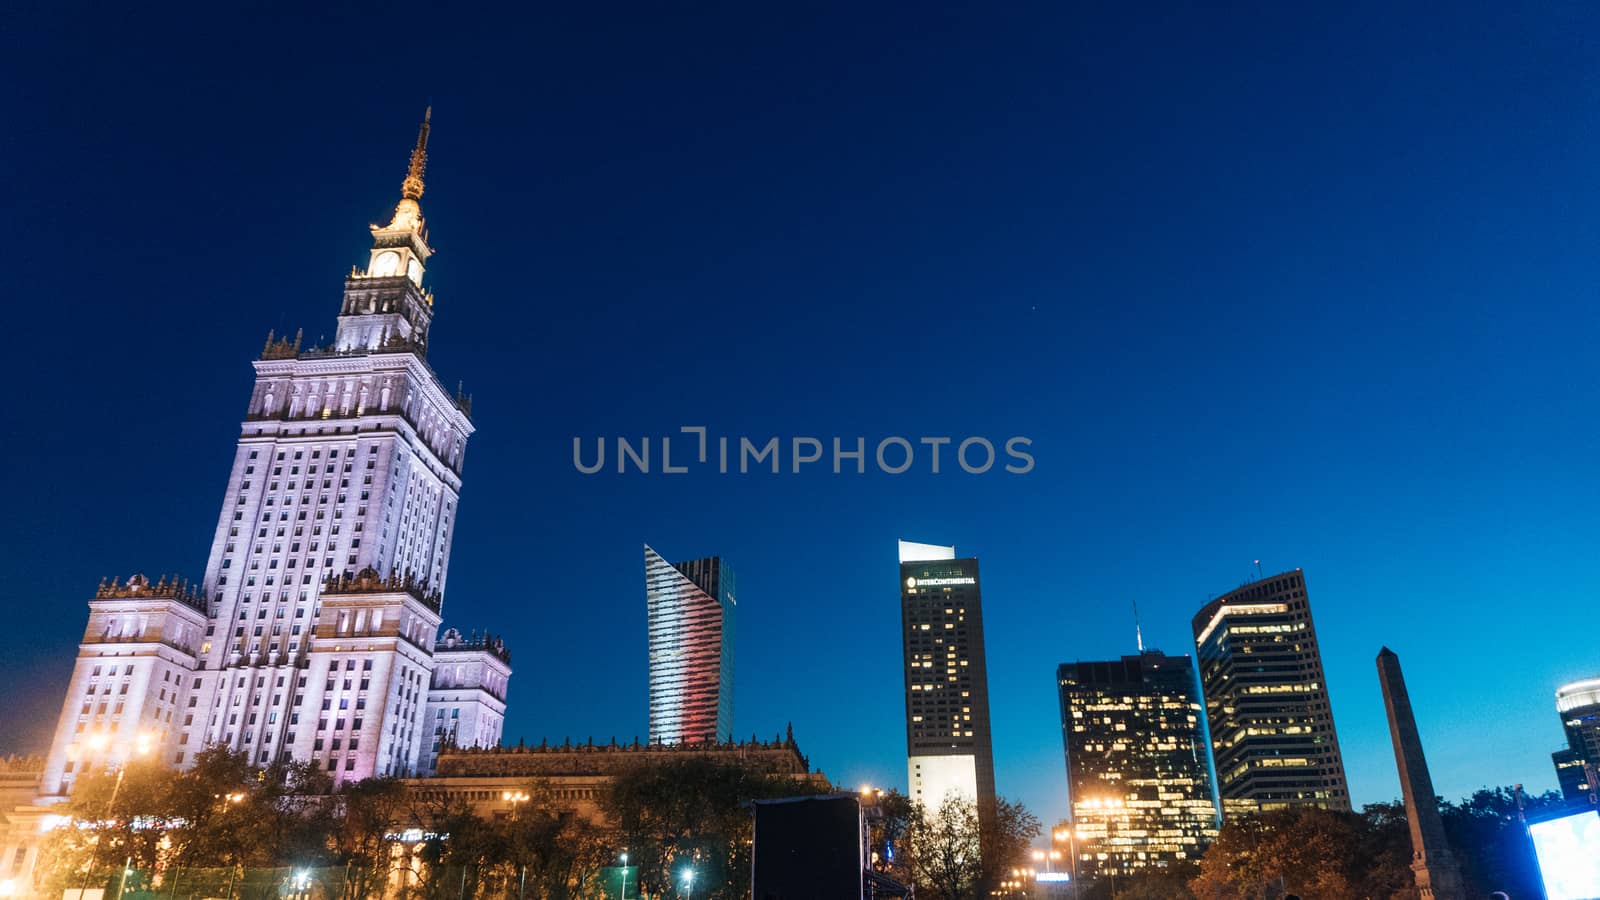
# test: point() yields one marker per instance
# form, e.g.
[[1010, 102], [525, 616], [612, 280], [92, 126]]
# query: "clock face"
[[414, 269], [386, 264]]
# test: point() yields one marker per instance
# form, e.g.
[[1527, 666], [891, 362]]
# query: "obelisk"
[[1438, 877]]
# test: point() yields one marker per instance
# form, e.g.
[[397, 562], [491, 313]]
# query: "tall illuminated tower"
[[1138, 765], [689, 613], [322, 594], [948, 746], [1272, 733]]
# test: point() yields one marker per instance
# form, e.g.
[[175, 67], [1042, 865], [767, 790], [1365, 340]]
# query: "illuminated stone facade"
[[1272, 734], [689, 621], [312, 633], [574, 776], [1138, 766]]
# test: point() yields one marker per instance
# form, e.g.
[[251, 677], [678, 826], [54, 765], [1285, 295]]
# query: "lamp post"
[[688, 884], [514, 797], [1069, 835], [97, 742], [624, 858]]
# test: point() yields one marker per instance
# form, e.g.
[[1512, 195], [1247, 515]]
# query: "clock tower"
[[386, 306]]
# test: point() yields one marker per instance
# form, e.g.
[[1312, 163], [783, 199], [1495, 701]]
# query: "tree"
[[888, 820], [943, 850], [368, 812], [690, 812], [1307, 851], [952, 855], [1006, 839], [114, 817], [1491, 841]]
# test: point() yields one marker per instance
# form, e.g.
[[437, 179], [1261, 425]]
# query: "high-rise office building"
[[1272, 734], [1138, 764], [689, 612], [311, 635], [1579, 706], [948, 745]]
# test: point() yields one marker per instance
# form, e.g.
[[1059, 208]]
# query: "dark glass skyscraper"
[[948, 746], [689, 609], [1266, 697], [1579, 706], [1138, 767]]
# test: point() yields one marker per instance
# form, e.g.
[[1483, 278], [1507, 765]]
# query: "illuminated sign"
[[1058, 877], [1568, 849], [938, 582], [413, 835]]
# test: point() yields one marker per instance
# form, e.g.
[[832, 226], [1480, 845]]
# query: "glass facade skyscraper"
[[1272, 734], [1579, 706], [689, 609], [1138, 765], [948, 746]]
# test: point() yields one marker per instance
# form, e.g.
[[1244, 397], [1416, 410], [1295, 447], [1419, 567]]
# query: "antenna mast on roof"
[[1138, 633]]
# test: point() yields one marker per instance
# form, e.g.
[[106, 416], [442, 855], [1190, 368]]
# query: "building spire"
[[411, 187]]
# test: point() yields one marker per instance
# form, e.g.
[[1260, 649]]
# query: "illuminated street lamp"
[[624, 858], [99, 742], [514, 797], [688, 884]]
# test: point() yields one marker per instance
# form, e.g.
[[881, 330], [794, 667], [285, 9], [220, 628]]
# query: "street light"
[[688, 884], [514, 797], [624, 857], [98, 742]]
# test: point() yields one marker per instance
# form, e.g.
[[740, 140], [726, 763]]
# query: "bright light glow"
[[911, 551], [1568, 849], [688, 877], [8, 888], [932, 778], [1238, 609], [1055, 877], [1579, 693]]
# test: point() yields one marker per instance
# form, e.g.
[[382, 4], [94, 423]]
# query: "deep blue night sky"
[[1314, 287]]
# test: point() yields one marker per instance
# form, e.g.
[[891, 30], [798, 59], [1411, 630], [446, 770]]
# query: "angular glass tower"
[[1138, 767], [1272, 734], [948, 745], [689, 609]]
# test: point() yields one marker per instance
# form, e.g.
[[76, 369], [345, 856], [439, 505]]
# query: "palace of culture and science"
[[314, 633]]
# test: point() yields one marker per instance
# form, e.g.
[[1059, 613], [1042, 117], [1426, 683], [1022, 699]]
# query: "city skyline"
[[1374, 394]]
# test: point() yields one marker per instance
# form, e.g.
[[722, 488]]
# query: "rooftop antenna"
[[1258, 570], [1138, 633]]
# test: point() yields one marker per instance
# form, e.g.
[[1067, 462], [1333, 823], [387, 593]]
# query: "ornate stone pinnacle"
[[411, 187]]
